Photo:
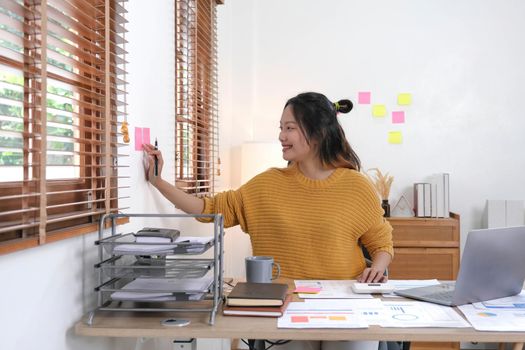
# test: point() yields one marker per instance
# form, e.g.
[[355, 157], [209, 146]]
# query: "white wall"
[[461, 60]]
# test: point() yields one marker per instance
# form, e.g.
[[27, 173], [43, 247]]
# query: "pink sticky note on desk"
[[398, 117], [311, 290], [299, 319], [363, 97], [138, 139]]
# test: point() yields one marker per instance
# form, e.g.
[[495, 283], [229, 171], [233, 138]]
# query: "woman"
[[311, 216]]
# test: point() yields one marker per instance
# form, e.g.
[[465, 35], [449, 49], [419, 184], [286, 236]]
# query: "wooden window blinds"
[[62, 104], [197, 159]]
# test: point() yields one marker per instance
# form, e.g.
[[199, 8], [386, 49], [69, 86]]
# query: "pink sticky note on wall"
[[398, 117], [138, 139], [363, 97], [145, 136]]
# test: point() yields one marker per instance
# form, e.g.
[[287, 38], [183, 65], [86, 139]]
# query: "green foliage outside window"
[[12, 144]]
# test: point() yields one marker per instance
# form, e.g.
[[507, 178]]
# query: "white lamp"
[[248, 160]]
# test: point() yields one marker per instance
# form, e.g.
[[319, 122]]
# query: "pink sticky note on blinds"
[[138, 139], [363, 97], [398, 117], [145, 136]]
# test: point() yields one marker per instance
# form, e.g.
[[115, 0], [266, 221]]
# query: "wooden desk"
[[129, 324]]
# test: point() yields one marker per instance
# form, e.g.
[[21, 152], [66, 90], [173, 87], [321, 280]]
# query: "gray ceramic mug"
[[259, 269]]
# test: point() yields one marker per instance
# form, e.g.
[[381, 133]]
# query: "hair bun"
[[343, 106]]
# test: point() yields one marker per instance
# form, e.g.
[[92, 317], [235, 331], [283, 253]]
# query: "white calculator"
[[372, 288]]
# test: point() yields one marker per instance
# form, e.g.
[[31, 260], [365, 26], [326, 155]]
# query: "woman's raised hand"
[[151, 153]]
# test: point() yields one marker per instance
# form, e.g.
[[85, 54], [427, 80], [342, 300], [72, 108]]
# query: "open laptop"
[[493, 266]]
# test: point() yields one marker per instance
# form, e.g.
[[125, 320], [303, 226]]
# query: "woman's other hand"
[[372, 275], [150, 152], [376, 272]]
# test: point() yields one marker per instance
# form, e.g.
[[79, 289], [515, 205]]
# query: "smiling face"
[[295, 147]]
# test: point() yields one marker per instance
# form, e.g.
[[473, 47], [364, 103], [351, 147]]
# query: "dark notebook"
[[257, 294], [156, 235], [265, 311]]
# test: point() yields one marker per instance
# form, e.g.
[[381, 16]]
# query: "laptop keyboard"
[[445, 295]]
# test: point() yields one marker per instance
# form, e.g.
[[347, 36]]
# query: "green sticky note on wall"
[[378, 110], [404, 99], [395, 137]]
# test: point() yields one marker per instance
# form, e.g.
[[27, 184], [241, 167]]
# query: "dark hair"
[[317, 118]]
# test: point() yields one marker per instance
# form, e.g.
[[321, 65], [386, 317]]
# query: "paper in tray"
[[164, 289], [148, 266], [126, 245]]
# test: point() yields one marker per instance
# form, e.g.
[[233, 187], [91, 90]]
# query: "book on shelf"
[[263, 311], [156, 235], [422, 199], [433, 196], [427, 194], [446, 190], [257, 294], [441, 195]]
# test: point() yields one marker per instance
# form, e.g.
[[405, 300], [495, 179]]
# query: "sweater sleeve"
[[230, 205], [378, 237]]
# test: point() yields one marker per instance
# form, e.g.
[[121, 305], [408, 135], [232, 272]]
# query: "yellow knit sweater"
[[310, 227]]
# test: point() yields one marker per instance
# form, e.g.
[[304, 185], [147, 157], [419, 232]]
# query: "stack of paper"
[[320, 314], [164, 289], [189, 245], [421, 314], [144, 249], [504, 314], [325, 310], [359, 313]]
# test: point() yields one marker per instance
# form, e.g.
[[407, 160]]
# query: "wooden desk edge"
[[266, 328]]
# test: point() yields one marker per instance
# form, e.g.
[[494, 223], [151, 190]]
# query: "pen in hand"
[[156, 167]]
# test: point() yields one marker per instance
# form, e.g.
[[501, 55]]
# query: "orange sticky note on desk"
[[309, 290]]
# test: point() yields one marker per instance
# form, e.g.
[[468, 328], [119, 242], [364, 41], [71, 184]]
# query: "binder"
[[419, 209], [440, 195], [446, 194], [427, 195], [422, 199]]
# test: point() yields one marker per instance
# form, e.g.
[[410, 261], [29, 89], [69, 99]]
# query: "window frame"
[[105, 115]]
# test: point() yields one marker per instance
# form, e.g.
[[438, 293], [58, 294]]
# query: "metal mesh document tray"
[[159, 276]]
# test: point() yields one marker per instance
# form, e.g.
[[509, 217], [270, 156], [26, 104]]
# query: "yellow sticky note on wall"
[[378, 110], [404, 99], [395, 137]]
